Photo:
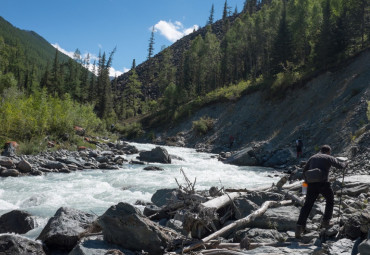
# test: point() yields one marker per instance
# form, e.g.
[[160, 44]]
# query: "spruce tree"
[[132, 93], [282, 51], [211, 15], [133, 66], [151, 44]]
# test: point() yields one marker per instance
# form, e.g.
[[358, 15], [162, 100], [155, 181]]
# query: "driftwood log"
[[221, 201], [239, 223]]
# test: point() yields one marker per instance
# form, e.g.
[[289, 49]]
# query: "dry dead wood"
[[221, 201], [236, 224]]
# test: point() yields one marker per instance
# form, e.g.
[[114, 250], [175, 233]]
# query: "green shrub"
[[368, 110], [203, 125], [130, 131], [38, 115]]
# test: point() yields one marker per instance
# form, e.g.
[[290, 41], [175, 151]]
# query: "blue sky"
[[93, 25]]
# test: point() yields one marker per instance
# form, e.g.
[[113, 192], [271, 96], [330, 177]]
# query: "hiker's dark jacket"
[[324, 162]]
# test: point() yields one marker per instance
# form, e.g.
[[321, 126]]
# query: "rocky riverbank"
[[189, 221]]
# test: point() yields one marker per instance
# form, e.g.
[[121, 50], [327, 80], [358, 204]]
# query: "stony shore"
[[189, 221]]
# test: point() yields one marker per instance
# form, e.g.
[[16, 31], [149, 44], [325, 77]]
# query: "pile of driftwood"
[[203, 216]]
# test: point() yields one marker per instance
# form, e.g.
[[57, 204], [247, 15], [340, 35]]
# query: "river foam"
[[94, 191]]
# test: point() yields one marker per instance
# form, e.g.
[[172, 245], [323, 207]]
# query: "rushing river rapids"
[[94, 191]]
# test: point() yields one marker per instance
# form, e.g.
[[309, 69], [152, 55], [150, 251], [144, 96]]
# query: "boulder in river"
[[18, 245], [124, 225], [244, 157], [158, 154], [19, 222], [64, 229]]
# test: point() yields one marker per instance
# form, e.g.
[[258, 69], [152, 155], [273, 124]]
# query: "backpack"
[[313, 175]]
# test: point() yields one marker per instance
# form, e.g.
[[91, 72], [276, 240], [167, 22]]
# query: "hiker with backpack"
[[316, 174]]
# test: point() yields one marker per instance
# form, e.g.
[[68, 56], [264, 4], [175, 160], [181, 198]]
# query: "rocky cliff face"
[[329, 109]]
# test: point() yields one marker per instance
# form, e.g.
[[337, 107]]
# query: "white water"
[[96, 190]]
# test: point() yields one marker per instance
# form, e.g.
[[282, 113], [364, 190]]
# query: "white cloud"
[[112, 72], [68, 53], [173, 31]]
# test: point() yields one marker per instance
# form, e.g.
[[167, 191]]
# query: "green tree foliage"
[[132, 94], [40, 114], [166, 71]]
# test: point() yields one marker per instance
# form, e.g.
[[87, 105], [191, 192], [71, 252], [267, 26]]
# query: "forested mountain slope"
[[332, 108]]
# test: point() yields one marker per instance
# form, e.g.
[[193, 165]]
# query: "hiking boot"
[[326, 224], [299, 231]]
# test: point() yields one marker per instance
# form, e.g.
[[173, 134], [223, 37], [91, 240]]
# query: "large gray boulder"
[[125, 226], [244, 157], [19, 222], [95, 245], [9, 173], [244, 207], [279, 157], [18, 245], [63, 230], [158, 154], [162, 196], [54, 165], [6, 162], [280, 218], [364, 247], [24, 166], [341, 247]]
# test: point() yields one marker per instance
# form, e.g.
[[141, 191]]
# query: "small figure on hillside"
[[320, 162], [112, 127], [231, 141], [299, 147]]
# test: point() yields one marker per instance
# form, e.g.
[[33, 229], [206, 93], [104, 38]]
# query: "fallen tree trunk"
[[236, 224], [221, 201], [291, 196]]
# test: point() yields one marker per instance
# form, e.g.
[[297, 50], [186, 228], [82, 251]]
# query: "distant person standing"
[[299, 147], [231, 141]]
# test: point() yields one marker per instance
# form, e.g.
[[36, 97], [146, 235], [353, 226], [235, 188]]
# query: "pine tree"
[[151, 44], [282, 51], [133, 64], [56, 76], [211, 15], [225, 11]]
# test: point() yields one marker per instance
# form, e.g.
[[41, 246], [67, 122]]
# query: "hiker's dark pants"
[[313, 191]]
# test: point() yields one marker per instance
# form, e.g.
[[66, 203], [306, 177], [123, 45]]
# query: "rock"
[[128, 149], [95, 245], [71, 160], [24, 166], [244, 157], [63, 230], [281, 219], [342, 246], [10, 173], [244, 207], [352, 227], [278, 158], [260, 197], [54, 165], [357, 190], [19, 222], [18, 245], [150, 210], [177, 226], [79, 131], [6, 162], [158, 154], [257, 235], [162, 196], [9, 149], [364, 247], [125, 226], [102, 159], [153, 168]]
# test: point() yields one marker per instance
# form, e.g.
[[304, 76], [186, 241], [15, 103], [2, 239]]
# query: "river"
[[94, 191]]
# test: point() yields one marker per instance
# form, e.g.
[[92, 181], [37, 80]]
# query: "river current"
[[94, 191]]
